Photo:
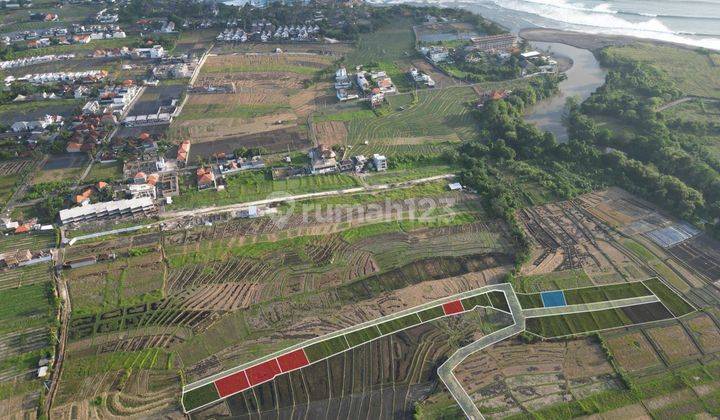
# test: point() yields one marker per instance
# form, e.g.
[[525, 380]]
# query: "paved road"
[[276, 200], [445, 371]]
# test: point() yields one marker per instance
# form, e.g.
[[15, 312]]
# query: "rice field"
[[435, 113]]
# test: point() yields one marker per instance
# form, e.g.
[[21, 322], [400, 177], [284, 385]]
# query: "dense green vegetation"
[[675, 304], [655, 158], [200, 396]]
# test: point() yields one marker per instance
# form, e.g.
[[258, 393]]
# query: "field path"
[[445, 371]]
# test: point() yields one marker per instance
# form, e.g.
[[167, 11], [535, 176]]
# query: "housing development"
[[338, 209]]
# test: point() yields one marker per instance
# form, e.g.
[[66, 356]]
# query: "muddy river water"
[[583, 78]]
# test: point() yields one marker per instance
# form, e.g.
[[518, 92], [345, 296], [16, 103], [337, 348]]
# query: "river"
[[583, 78]]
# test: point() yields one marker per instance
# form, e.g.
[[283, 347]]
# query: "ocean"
[[690, 22]]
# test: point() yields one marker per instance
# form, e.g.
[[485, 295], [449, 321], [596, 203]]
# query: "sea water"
[[690, 22]]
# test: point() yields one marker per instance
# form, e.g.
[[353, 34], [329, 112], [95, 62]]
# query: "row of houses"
[[77, 34], [343, 85], [323, 160], [21, 258], [31, 61], [36, 125], [129, 208], [266, 33], [89, 76]]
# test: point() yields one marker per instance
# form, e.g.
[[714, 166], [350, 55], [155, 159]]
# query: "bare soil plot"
[[632, 351], [674, 343], [701, 254], [706, 332], [331, 51], [512, 375], [303, 64], [331, 133], [275, 141]]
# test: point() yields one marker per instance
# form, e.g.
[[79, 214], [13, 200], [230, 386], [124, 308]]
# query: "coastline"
[[592, 42]]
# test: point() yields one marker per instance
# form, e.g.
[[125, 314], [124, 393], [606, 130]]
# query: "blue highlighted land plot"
[[553, 298]]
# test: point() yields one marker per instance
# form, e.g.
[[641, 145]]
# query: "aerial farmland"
[[345, 210]]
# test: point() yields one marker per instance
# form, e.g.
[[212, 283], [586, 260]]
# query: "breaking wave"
[[603, 19]]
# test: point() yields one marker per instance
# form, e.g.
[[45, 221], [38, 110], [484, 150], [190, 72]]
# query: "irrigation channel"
[[501, 297]]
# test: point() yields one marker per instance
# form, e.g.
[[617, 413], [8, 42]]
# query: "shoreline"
[[592, 42]]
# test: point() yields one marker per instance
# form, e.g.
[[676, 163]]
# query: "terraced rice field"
[[22, 276], [256, 373], [441, 113]]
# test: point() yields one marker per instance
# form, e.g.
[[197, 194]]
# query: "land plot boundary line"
[[590, 307], [342, 333]]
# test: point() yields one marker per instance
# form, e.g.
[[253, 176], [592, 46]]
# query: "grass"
[[388, 48], [577, 323], [558, 280], [7, 187], [257, 186], [693, 72], [639, 250], [530, 300], [675, 304], [203, 111], [498, 301], [598, 403], [362, 232], [346, 116], [200, 396], [435, 113], [480, 300], [361, 336], [605, 293], [262, 68], [432, 313], [397, 324], [327, 348], [33, 241], [9, 112], [105, 172], [26, 307]]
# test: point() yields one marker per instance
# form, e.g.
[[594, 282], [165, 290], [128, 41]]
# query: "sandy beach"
[[586, 41]]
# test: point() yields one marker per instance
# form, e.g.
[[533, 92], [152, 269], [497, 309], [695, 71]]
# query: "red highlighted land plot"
[[293, 360], [232, 384], [454, 307], [263, 372]]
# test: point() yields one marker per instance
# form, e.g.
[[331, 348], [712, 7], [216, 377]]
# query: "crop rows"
[[267, 370], [590, 294]]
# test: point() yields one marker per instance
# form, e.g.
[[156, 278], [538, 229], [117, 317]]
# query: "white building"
[[380, 162]]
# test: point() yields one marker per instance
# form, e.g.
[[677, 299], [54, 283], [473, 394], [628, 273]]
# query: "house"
[[84, 198], [141, 190], [73, 147], [342, 81], [360, 162], [346, 165], [139, 178], [322, 160], [380, 162], [183, 153], [455, 186], [376, 98], [81, 262], [494, 43], [135, 207], [205, 178], [92, 108]]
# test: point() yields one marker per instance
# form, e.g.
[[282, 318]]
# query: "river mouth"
[[583, 78]]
